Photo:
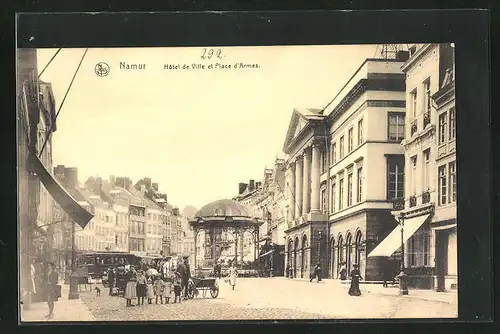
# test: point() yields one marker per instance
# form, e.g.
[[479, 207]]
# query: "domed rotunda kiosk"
[[224, 223]]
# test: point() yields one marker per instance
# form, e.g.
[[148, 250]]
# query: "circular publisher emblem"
[[101, 69]]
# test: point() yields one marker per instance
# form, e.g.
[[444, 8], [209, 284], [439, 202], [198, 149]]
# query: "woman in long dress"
[[355, 278], [233, 274], [131, 287]]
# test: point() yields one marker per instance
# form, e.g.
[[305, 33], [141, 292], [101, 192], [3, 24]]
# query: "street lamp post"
[[73, 286], [403, 278], [320, 235]]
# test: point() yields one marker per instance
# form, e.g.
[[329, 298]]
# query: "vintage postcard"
[[237, 183]]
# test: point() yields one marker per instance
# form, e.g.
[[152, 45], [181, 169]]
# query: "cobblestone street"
[[275, 298]]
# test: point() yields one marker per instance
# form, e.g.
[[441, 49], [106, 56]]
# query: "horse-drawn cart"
[[196, 285]]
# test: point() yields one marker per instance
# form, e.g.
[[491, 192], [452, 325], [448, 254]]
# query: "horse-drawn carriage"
[[197, 285]]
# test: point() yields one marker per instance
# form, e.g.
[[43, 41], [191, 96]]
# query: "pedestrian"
[[159, 286], [141, 288], [181, 269], [355, 278], [168, 287], [343, 274], [51, 289], [316, 272], [233, 274], [131, 287], [150, 291], [111, 280], [177, 287], [185, 282]]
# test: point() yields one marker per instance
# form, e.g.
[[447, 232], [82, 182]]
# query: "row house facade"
[[340, 169], [429, 208]]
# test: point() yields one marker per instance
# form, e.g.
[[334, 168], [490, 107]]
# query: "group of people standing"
[[160, 287]]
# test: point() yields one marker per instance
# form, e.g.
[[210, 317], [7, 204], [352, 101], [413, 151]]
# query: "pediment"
[[297, 124]]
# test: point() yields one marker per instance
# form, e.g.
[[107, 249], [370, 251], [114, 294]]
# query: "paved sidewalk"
[[64, 310], [450, 297]]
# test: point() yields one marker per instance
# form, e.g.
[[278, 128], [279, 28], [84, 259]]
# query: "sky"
[[197, 132]]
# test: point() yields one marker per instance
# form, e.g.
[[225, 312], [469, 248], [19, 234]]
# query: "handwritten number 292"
[[209, 53]]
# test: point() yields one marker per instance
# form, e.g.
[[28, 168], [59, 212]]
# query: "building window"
[[396, 128], [323, 200], [324, 162], [413, 175], [341, 193], [427, 102], [333, 153], [395, 183], [349, 189], [453, 124], [442, 185], [442, 128], [332, 205], [360, 184], [361, 137], [426, 170], [413, 104], [419, 247], [341, 147], [350, 138], [453, 182]]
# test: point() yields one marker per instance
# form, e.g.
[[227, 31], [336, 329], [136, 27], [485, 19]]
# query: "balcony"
[[398, 204], [413, 201], [426, 197], [427, 118], [414, 128]]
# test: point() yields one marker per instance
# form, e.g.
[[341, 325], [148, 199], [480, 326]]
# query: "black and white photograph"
[[237, 183]]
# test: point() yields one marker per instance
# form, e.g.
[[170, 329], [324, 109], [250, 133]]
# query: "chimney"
[[98, 185], [258, 185], [71, 177], [143, 189], [112, 181], [147, 182], [155, 186], [241, 188], [251, 185], [403, 55]]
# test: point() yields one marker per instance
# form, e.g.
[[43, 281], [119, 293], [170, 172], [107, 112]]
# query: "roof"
[[224, 208], [300, 121]]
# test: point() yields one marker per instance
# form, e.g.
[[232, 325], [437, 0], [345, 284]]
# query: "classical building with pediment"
[[340, 168]]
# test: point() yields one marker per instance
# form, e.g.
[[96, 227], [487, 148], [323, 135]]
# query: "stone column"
[[315, 179], [298, 187], [290, 190], [306, 204]]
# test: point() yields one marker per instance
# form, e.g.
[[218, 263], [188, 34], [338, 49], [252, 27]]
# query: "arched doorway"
[[295, 253], [340, 254], [303, 256], [357, 256], [332, 257], [348, 253]]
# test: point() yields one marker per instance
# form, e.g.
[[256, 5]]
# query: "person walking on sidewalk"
[[111, 280], [355, 278], [316, 272], [233, 274], [51, 289]]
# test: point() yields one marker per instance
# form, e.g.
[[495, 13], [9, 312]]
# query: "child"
[[177, 287], [159, 287], [167, 288], [150, 292]]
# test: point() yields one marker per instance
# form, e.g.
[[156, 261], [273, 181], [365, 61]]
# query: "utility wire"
[[62, 103], [50, 61]]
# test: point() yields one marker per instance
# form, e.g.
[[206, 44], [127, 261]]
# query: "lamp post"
[[73, 285], [320, 236], [403, 278]]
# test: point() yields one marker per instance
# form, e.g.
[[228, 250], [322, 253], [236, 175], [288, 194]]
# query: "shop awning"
[[60, 195], [267, 253], [393, 241]]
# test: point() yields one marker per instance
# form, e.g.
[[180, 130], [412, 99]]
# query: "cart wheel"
[[214, 291]]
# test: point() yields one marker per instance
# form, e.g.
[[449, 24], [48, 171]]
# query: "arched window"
[[340, 254], [348, 253], [332, 257], [358, 247]]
